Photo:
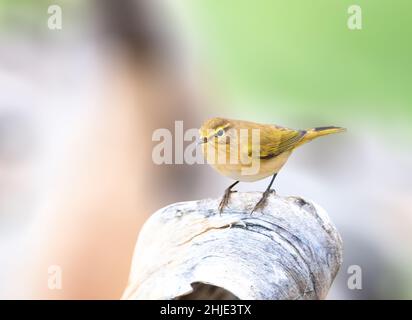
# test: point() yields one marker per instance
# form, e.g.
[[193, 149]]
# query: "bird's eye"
[[220, 132], [204, 139]]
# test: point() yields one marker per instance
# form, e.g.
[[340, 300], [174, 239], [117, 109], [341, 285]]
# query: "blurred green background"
[[302, 54]]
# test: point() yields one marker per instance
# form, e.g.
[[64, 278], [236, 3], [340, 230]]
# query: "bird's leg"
[[261, 203], [226, 196]]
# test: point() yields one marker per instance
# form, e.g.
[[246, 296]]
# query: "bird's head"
[[214, 129]]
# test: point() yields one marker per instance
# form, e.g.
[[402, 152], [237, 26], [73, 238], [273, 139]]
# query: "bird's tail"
[[320, 131]]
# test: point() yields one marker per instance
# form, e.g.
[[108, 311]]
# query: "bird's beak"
[[201, 140]]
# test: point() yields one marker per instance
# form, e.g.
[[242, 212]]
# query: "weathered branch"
[[290, 250]]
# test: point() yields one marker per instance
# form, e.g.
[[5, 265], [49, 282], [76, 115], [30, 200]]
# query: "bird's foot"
[[225, 200], [261, 203]]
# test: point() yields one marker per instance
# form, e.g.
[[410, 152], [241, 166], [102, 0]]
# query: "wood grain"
[[289, 250]]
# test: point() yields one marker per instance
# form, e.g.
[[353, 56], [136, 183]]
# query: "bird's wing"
[[275, 140]]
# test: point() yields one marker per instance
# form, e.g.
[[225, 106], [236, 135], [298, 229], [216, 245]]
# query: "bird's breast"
[[253, 169]]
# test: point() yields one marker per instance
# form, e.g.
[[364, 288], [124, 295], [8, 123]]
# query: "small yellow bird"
[[247, 151]]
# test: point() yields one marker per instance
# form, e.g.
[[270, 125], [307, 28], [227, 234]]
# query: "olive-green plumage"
[[275, 145], [226, 148]]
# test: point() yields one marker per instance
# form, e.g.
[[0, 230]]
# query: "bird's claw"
[[225, 200], [261, 203]]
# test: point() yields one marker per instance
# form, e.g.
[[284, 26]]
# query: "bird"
[[247, 151]]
